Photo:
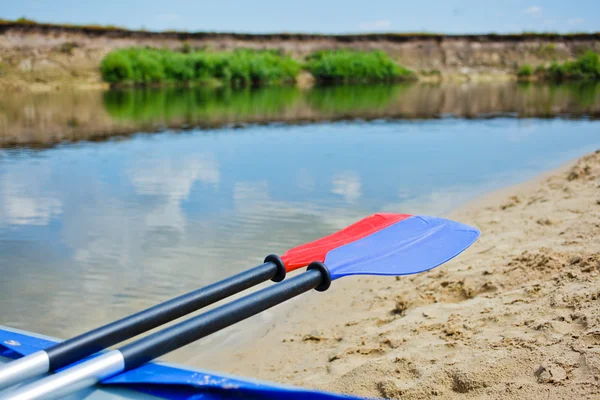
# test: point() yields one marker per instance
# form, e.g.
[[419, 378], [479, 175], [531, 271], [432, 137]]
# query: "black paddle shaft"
[[176, 336], [74, 349]]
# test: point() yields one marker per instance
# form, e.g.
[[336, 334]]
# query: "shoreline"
[[515, 316], [490, 198], [45, 57]]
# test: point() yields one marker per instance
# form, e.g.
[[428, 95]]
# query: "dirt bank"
[[515, 317], [42, 57]]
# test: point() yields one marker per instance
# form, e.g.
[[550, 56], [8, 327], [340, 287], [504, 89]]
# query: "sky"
[[318, 16]]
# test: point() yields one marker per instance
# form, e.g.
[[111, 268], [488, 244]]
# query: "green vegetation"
[[585, 68], [236, 68], [525, 71], [240, 68], [345, 66]]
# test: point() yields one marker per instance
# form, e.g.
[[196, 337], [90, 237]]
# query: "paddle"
[[411, 245], [98, 339]]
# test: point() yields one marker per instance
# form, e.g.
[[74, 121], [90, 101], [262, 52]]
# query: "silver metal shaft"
[[72, 379], [24, 368]]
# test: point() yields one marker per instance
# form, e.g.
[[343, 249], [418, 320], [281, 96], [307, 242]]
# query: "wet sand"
[[517, 316]]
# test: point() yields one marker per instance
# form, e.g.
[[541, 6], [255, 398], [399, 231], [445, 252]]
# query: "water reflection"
[[42, 119], [347, 184], [211, 106], [26, 199], [95, 231], [348, 100], [171, 180]]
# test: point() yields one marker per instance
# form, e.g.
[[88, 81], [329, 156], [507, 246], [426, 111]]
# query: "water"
[[90, 232], [44, 119]]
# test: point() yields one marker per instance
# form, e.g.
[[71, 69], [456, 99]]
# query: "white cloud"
[[549, 22], [575, 21], [378, 25], [533, 10]]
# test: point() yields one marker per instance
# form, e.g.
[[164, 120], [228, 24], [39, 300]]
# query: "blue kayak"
[[159, 380]]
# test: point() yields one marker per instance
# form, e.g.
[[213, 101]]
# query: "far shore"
[[45, 57]]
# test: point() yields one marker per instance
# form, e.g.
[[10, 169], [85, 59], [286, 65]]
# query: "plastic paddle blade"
[[410, 246], [303, 255]]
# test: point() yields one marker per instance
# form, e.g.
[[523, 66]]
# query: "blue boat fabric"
[[169, 381]]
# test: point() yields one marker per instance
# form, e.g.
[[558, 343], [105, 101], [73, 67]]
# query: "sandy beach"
[[517, 316]]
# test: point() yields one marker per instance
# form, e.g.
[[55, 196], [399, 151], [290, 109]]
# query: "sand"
[[517, 316]]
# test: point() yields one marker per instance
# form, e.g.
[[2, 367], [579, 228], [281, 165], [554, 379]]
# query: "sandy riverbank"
[[517, 316]]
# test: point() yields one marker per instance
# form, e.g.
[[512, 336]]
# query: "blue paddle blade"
[[413, 245]]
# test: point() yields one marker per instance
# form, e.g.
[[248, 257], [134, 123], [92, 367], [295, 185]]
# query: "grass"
[[241, 68], [348, 66], [235, 68], [585, 68], [525, 71]]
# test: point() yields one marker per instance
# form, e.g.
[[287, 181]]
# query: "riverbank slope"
[[50, 57], [515, 317]]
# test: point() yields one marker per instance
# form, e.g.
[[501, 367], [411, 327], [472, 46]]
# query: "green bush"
[[344, 66], [116, 67], [586, 67], [178, 67], [525, 71], [234, 68]]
